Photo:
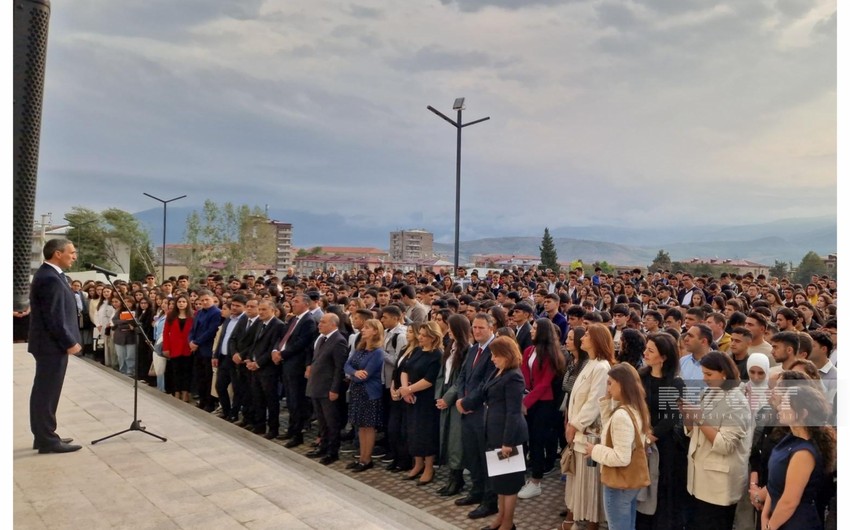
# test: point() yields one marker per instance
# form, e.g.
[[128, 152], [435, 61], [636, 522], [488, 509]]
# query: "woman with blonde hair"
[[397, 417], [364, 368], [583, 493]]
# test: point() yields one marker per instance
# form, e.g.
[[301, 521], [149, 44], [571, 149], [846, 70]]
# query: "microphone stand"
[[136, 425]]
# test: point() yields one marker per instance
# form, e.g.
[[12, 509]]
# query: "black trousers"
[[472, 435], [295, 386], [44, 399], [327, 414], [203, 378], [226, 376], [242, 398], [397, 433], [541, 437], [707, 516], [266, 399]]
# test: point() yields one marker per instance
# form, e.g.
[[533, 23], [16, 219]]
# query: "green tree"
[[228, 234], [809, 265], [779, 269], [100, 237], [604, 265], [548, 254], [304, 252], [661, 261]]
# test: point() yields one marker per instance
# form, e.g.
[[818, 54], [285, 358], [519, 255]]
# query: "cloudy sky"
[[610, 112]]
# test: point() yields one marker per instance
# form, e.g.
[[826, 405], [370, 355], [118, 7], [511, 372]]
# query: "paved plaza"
[[209, 474]]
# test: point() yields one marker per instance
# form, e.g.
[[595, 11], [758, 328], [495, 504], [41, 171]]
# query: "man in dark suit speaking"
[[54, 335]]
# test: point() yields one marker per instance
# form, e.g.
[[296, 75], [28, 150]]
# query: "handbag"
[[568, 460], [636, 474]]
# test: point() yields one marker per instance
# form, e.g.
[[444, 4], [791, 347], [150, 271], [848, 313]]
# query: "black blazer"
[[224, 325], [471, 379], [504, 422], [299, 346], [265, 341], [242, 337], [53, 319], [523, 336], [326, 370]]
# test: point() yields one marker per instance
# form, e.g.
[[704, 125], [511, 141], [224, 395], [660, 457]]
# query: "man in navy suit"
[[325, 375], [266, 372], [477, 369], [54, 334]]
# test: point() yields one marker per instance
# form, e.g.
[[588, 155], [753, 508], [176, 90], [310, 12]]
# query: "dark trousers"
[[397, 433], [327, 414], [472, 434], [226, 375], [266, 399], [242, 398], [342, 405], [541, 437], [203, 378], [707, 516], [295, 386], [44, 399]]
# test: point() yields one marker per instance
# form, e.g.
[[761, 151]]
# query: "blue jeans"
[[126, 354], [620, 507]]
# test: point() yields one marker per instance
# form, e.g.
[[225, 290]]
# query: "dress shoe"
[[360, 467], [392, 467], [328, 459], [294, 442], [352, 465], [484, 510], [469, 500], [271, 435], [259, 430], [316, 453], [424, 482], [62, 440], [414, 476], [59, 448], [286, 436]]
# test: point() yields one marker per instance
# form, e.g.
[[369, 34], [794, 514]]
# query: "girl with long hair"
[[451, 447], [175, 347]]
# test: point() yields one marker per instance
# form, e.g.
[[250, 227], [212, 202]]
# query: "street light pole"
[[164, 220], [459, 125]]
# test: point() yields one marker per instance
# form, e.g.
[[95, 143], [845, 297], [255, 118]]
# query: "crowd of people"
[[667, 400]]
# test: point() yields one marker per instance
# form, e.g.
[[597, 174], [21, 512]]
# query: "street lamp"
[[459, 125], [164, 220]]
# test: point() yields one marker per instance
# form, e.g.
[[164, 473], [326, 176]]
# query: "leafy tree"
[[228, 234], [779, 269], [809, 265], [548, 254], [661, 261], [606, 268], [101, 238], [304, 252]]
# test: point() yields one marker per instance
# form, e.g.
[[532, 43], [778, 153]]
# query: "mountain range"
[[782, 240]]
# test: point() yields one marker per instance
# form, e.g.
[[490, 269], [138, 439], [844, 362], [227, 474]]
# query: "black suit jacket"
[[299, 347], [471, 379], [53, 319], [265, 341], [523, 336], [224, 326], [505, 424], [326, 370], [242, 337]]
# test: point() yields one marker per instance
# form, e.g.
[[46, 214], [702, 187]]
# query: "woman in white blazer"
[[720, 428], [583, 494]]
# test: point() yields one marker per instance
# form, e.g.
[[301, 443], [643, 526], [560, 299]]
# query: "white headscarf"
[[760, 360]]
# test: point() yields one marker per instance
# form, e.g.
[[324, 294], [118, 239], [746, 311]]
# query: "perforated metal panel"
[[31, 18]]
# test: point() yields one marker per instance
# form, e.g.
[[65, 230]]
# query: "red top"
[[538, 381], [175, 341]]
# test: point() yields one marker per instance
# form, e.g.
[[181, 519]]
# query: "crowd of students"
[[669, 400]]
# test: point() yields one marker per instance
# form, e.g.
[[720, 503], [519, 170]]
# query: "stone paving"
[[209, 473]]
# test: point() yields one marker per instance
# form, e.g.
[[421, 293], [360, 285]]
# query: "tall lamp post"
[[164, 220], [459, 125]]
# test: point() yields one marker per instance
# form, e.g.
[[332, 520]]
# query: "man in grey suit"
[[54, 334], [324, 386]]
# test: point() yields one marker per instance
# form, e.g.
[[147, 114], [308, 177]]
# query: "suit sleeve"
[[516, 429], [56, 328], [303, 340], [375, 362], [542, 384], [340, 356], [590, 411], [475, 390]]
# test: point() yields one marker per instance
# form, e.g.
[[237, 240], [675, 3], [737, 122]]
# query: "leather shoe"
[[469, 500], [59, 448], [360, 467], [286, 436], [271, 435], [328, 460], [316, 453], [62, 440], [484, 510], [294, 442]]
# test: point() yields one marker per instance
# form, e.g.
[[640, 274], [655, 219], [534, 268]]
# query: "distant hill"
[[784, 240]]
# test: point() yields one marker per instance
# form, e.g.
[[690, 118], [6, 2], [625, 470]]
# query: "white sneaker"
[[530, 490]]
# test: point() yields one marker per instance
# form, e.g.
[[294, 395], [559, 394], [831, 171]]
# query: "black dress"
[[423, 416], [504, 424]]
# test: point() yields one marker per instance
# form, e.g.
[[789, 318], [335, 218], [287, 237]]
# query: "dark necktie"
[[262, 330], [477, 355], [321, 343], [288, 334]]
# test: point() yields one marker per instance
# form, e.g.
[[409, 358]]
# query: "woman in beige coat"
[[583, 494], [720, 428]]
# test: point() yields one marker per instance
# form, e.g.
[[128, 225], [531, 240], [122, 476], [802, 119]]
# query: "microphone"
[[93, 267]]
